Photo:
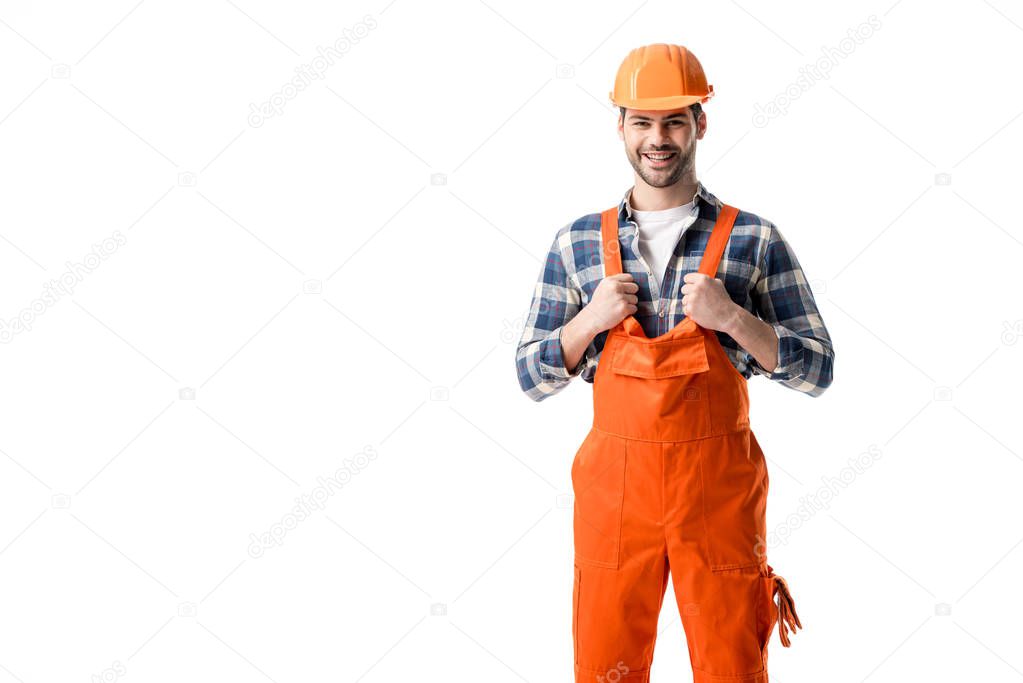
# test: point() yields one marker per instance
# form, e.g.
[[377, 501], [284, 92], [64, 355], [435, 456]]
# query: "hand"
[[613, 300], [706, 301]]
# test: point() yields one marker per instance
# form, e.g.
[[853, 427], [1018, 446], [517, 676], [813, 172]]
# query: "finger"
[[621, 276], [626, 287], [632, 298]]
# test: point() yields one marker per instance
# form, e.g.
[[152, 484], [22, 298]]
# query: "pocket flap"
[[655, 360]]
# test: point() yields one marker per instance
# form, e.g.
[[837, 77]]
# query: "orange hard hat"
[[660, 76]]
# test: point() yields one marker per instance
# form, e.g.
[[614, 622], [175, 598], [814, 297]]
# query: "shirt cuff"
[[789, 362], [552, 357]]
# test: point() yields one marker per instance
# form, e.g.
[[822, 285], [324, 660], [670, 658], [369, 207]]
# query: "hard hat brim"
[[661, 103]]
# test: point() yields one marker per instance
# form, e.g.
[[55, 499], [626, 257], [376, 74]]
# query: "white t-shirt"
[[659, 232]]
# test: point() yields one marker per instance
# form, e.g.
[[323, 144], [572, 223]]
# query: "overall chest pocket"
[[661, 359], [662, 388]]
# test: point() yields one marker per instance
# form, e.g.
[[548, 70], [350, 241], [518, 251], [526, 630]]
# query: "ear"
[[701, 125]]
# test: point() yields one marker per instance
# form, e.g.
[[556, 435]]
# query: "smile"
[[658, 159]]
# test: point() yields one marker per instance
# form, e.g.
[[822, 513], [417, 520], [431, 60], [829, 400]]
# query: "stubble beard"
[[682, 171]]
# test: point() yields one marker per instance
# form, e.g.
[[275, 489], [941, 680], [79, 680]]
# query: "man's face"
[[648, 135]]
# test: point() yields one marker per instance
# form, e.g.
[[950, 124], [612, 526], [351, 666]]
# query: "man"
[[668, 303]]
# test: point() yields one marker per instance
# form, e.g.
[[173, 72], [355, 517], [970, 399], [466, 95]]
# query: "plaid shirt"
[[758, 268]]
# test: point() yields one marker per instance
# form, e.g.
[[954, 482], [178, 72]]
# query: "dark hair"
[[696, 108]]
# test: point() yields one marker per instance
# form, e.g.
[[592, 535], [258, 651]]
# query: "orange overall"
[[671, 475]]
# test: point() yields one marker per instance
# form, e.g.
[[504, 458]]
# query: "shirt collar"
[[703, 196]]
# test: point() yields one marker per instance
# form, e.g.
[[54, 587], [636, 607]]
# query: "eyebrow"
[[639, 117]]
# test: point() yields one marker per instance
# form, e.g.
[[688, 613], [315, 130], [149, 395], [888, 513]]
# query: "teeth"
[[660, 157]]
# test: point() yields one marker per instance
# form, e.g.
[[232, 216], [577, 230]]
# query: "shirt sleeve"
[[539, 358], [783, 299]]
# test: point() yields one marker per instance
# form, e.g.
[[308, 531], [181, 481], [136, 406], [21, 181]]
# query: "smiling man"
[[668, 303]]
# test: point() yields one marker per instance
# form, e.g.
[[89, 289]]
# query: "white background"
[[323, 297]]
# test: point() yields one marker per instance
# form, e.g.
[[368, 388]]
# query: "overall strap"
[[718, 239], [611, 251]]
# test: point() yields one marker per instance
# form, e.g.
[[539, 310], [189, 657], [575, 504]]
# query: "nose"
[[659, 136]]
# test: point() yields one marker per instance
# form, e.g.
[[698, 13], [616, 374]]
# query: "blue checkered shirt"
[[759, 270]]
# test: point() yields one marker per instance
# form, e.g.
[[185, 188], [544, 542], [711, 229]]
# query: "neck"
[[647, 198]]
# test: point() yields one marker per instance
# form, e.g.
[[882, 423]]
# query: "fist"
[[706, 301], [615, 298]]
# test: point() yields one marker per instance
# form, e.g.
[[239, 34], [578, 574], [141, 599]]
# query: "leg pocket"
[[576, 587], [784, 612], [767, 611], [734, 482], [598, 482]]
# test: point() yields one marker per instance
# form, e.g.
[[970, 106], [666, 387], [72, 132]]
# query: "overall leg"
[[727, 616], [718, 499], [620, 564]]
